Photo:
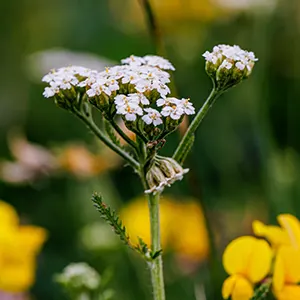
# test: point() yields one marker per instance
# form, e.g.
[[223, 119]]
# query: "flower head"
[[228, 65], [247, 260], [135, 90]]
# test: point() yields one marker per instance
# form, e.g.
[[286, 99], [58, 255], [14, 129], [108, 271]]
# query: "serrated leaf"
[[111, 218], [156, 254]]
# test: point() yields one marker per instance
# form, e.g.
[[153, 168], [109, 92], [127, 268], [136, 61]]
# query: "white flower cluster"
[[79, 276], [130, 86], [225, 56], [64, 79]]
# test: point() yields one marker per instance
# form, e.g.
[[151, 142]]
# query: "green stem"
[[181, 149], [153, 27], [157, 38], [94, 128], [156, 266]]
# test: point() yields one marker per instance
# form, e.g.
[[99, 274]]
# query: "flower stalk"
[[94, 128], [156, 265], [188, 138]]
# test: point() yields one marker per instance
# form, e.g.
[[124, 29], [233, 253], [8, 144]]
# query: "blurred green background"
[[245, 162]]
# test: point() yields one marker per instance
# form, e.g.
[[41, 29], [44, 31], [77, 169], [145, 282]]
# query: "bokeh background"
[[245, 162]]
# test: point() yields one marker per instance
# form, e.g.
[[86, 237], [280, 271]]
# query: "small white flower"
[[167, 101], [133, 60], [187, 106], [121, 100], [113, 85], [157, 61], [143, 86], [226, 64], [161, 88], [130, 110], [152, 117], [173, 111], [50, 91], [211, 57], [240, 66], [139, 98]]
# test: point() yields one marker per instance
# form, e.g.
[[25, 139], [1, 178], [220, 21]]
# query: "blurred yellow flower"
[[19, 246], [182, 226], [247, 260], [167, 12]]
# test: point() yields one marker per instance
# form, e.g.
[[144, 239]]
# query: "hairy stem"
[[156, 266], [180, 152], [94, 128]]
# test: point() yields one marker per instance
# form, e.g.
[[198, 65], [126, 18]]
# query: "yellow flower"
[[286, 275], [19, 246], [292, 227], [167, 12], [237, 287], [188, 233], [276, 235], [182, 226], [248, 261], [288, 234]]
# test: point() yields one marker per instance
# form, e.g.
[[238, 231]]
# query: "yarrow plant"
[[138, 92]]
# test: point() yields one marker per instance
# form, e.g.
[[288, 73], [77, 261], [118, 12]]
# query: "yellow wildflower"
[[247, 260], [276, 235], [19, 246], [286, 275], [292, 227], [182, 226], [167, 12]]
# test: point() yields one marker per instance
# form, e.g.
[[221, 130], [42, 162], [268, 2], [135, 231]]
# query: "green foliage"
[[262, 291], [111, 133], [112, 219]]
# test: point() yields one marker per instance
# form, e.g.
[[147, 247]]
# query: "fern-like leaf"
[[112, 219]]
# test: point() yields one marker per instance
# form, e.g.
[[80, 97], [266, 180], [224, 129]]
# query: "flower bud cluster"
[[136, 90], [164, 172], [229, 65]]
